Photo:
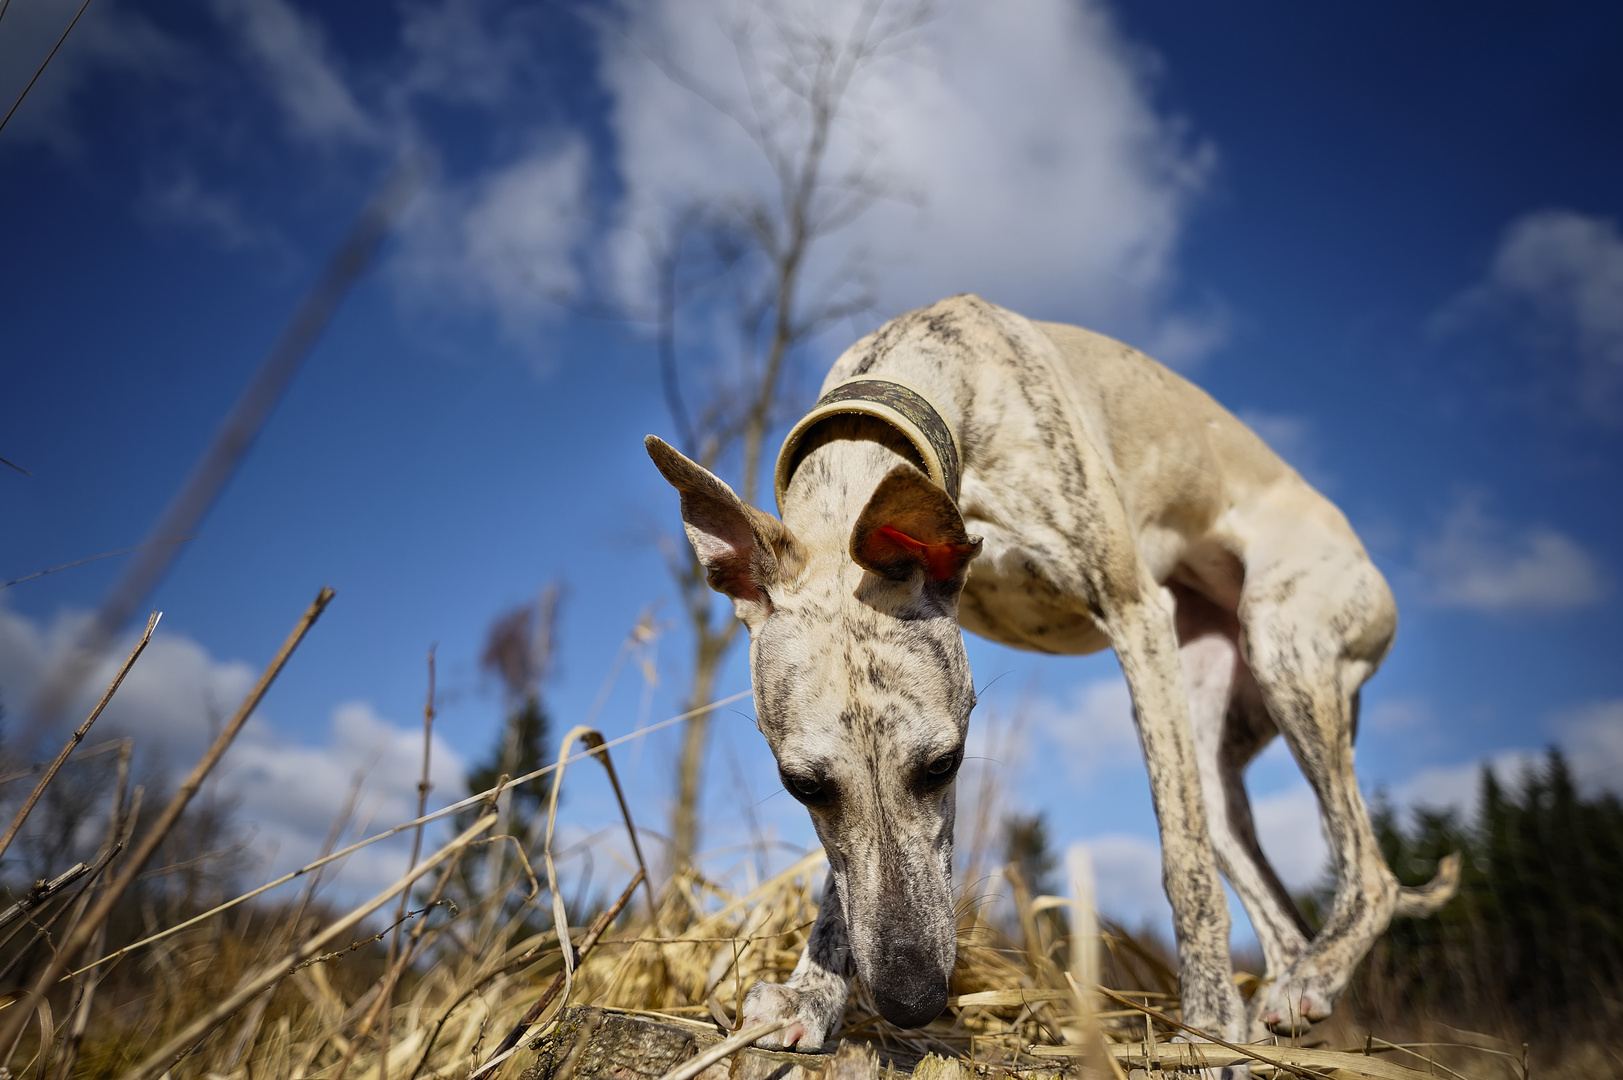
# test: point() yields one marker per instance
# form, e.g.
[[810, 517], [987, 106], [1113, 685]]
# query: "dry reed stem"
[[78, 736], [1157, 1014], [271, 974], [14, 1020], [598, 748], [730, 1045], [424, 786]]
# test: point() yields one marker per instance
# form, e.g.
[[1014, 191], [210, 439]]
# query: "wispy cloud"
[[1480, 563], [300, 71], [1593, 734], [1558, 274], [465, 50], [1290, 831], [1093, 724], [185, 200], [1397, 716], [506, 243]]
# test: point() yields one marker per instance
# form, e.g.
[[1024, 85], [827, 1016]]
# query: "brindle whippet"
[[1103, 501]]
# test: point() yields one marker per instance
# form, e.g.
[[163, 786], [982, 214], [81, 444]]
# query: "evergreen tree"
[[1536, 930]]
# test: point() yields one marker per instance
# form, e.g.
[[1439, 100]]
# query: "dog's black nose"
[[911, 1000]]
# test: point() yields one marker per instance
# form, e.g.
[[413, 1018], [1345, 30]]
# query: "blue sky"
[[1385, 235]]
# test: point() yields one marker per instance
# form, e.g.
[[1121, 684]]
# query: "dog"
[[1054, 490]]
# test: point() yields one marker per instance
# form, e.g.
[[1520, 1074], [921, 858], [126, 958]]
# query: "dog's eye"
[[943, 766], [808, 789]]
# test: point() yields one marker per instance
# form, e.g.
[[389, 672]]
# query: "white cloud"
[[1289, 829], [185, 200], [1479, 563], [1397, 716], [294, 793], [1564, 270], [506, 243], [1456, 787], [1569, 266], [1095, 726], [1593, 737], [463, 51], [172, 704], [291, 53], [1030, 161], [1127, 876]]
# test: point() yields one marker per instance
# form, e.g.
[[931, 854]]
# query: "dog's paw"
[[1294, 1005], [812, 1016]]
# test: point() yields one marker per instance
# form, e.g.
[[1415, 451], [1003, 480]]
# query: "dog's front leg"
[[814, 996], [1146, 643]]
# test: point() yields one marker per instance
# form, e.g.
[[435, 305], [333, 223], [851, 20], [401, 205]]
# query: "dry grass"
[[474, 974]]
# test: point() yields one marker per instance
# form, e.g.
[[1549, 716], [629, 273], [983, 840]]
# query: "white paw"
[[811, 1015], [1292, 1007]]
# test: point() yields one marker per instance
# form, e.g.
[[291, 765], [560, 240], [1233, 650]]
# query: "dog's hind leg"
[[1314, 631], [1230, 728]]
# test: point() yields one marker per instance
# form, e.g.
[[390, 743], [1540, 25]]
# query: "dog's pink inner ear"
[[911, 525], [941, 562]]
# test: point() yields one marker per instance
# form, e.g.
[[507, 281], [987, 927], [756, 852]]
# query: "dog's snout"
[[910, 995]]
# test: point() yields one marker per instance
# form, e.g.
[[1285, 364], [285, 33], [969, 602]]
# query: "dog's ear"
[[743, 550], [910, 525]]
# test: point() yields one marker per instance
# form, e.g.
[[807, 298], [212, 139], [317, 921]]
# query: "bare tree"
[[802, 68]]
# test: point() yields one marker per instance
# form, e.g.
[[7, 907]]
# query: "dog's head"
[[863, 691]]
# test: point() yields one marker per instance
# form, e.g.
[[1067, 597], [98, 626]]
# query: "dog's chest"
[[1014, 597]]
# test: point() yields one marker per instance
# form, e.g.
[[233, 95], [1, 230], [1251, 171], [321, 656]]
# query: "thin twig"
[[78, 736], [90, 558], [43, 892], [379, 936], [391, 976], [88, 752], [424, 786], [725, 940], [13, 1020], [40, 71], [596, 745], [118, 828]]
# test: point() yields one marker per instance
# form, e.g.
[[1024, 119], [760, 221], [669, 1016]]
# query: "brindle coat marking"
[[1112, 504]]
